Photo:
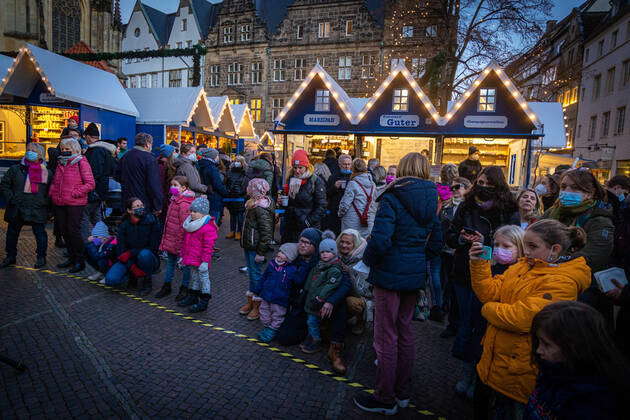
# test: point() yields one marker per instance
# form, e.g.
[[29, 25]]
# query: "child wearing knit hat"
[[100, 250]]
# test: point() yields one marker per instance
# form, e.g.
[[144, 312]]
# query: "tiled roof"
[[160, 22], [206, 14], [82, 48]]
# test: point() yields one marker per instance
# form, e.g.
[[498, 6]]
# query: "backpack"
[[364, 216]]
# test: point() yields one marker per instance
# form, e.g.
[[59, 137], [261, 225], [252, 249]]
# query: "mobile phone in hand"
[[486, 254]]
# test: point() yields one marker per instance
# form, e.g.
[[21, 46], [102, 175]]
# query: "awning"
[[172, 106], [243, 121], [222, 113]]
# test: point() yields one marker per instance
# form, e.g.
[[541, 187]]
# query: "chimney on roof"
[[550, 25]]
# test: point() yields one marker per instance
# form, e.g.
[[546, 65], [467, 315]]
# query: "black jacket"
[[306, 209], [470, 169], [211, 177], [333, 196], [333, 165], [28, 208], [100, 155], [236, 185], [139, 176], [146, 234]]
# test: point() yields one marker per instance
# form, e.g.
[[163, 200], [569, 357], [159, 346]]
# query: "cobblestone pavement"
[[96, 352]]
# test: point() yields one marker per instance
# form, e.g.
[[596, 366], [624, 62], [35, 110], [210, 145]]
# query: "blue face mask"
[[622, 197], [345, 171], [31, 156], [570, 199]]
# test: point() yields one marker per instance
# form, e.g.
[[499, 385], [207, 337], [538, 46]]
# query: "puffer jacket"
[[306, 209], [173, 230], [100, 155], [236, 185], [405, 222], [25, 207], [198, 246], [186, 168], [323, 280], [276, 283], [260, 168], [135, 237], [354, 202], [72, 183], [258, 229], [212, 178], [510, 302]]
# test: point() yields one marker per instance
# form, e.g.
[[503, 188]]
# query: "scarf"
[[263, 202], [36, 174], [568, 215], [72, 159], [191, 225], [296, 182], [257, 189]]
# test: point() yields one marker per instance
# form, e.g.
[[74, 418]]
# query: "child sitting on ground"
[[200, 233], [274, 288], [321, 283], [100, 249]]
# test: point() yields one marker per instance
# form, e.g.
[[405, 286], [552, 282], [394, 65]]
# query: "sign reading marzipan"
[[485, 121], [321, 119], [403, 121], [47, 98]]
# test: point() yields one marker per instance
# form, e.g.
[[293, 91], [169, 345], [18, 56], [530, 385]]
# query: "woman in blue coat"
[[406, 224]]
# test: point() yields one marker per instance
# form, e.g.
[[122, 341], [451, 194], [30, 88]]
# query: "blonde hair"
[[515, 235], [448, 173], [74, 145], [359, 166], [539, 204], [413, 164], [241, 159]]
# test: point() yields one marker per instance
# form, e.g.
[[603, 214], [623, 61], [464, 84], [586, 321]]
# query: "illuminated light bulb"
[[369, 104], [477, 83], [523, 105], [486, 71], [435, 115], [467, 94], [449, 115], [532, 117], [457, 105], [342, 105], [515, 94]]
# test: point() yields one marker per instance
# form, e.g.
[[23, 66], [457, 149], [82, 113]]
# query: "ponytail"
[[553, 232], [577, 236]]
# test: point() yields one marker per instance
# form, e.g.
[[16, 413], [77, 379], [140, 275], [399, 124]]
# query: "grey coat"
[[186, 168], [354, 196]]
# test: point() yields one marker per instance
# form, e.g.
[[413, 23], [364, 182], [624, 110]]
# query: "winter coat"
[[236, 185], [102, 161], [406, 218], [185, 167], [469, 169], [173, 230], [198, 246], [258, 229], [447, 214], [622, 324], [24, 207], [333, 196], [323, 280], [360, 286], [139, 175], [72, 183], [135, 237], [53, 154], [510, 302], [212, 179], [485, 222], [333, 165], [276, 282], [260, 168], [354, 202], [564, 395], [306, 209], [166, 175]]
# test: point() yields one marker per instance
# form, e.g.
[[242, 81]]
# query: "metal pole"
[[528, 151], [284, 156]]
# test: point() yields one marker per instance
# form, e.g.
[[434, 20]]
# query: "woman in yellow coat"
[[510, 302]]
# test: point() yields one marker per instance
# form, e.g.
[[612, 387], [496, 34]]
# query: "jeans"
[[200, 280], [272, 314], [69, 219], [92, 214], [471, 328], [312, 323], [13, 233], [171, 264], [145, 260], [236, 221], [393, 343], [434, 264], [254, 269]]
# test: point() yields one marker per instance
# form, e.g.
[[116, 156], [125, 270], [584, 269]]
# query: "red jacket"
[[173, 230], [198, 246], [72, 183]]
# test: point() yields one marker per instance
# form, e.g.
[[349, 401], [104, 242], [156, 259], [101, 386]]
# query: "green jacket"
[[260, 168], [258, 229], [28, 208], [322, 281]]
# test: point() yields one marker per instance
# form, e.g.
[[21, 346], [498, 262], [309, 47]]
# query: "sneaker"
[[404, 403], [243, 269], [96, 276], [372, 405]]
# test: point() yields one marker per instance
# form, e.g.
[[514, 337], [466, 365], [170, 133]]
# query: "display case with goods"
[[318, 145], [493, 152]]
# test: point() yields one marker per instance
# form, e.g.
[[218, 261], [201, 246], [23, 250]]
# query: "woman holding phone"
[[487, 206]]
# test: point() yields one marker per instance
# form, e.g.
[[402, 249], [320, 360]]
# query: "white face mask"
[[540, 189], [192, 156]]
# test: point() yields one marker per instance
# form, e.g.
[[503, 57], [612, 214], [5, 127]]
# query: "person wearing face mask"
[[185, 165], [236, 185], [25, 190], [548, 190], [335, 187], [391, 174], [212, 179], [548, 273], [138, 239], [166, 166], [529, 207], [617, 189]]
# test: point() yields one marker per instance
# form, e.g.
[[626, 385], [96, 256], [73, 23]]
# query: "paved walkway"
[[98, 352]]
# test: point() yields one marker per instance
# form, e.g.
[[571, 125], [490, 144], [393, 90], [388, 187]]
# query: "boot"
[[267, 334], [254, 314], [8, 261], [311, 345], [76, 267], [245, 309], [191, 299], [334, 355], [183, 292], [41, 262], [164, 291], [67, 263], [146, 283], [202, 305], [237, 236], [230, 235], [469, 374]]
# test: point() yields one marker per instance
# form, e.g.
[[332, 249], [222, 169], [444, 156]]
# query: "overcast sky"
[[562, 8]]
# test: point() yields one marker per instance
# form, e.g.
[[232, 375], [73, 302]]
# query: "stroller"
[[114, 211]]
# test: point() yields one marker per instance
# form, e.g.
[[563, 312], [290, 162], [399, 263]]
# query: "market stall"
[[187, 117], [221, 111], [42, 89], [244, 127]]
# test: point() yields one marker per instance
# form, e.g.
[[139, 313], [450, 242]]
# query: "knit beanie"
[[257, 188], [328, 243], [92, 130], [200, 205], [75, 118], [290, 250], [100, 229], [314, 236], [166, 150], [210, 153], [300, 158]]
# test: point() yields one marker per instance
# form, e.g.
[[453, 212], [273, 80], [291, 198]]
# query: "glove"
[[136, 272], [124, 257], [203, 266], [259, 259], [76, 194]]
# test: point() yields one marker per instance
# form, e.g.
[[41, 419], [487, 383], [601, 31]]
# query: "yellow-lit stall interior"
[[317, 144], [389, 150]]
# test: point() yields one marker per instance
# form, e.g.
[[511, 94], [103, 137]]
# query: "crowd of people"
[[510, 272]]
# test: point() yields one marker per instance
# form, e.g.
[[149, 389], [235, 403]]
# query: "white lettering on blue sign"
[[47, 98], [485, 121], [321, 119], [400, 121]]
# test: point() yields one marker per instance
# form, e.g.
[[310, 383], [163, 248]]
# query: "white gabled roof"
[[222, 114], [172, 106], [243, 121], [67, 79]]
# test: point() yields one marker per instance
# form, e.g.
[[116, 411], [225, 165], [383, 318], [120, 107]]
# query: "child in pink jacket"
[[200, 233], [173, 235]]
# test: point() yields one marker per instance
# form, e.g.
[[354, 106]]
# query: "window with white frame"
[[487, 100], [625, 77], [600, 47], [246, 32], [610, 80], [278, 70], [179, 44], [299, 32], [349, 27], [184, 25], [367, 66], [321, 61], [597, 85], [418, 66], [133, 81], [400, 101], [190, 77], [407, 31], [144, 81], [174, 78], [621, 120], [214, 75], [255, 107], [256, 70], [322, 100], [605, 123], [431, 31], [276, 108], [188, 44], [154, 80], [613, 39], [592, 127], [299, 68], [235, 74], [228, 35], [324, 30], [395, 62], [345, 68]]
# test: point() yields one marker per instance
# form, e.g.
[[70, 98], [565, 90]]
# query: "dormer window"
[[136, 32], [401, 100], [487, 100], [322, 101]]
